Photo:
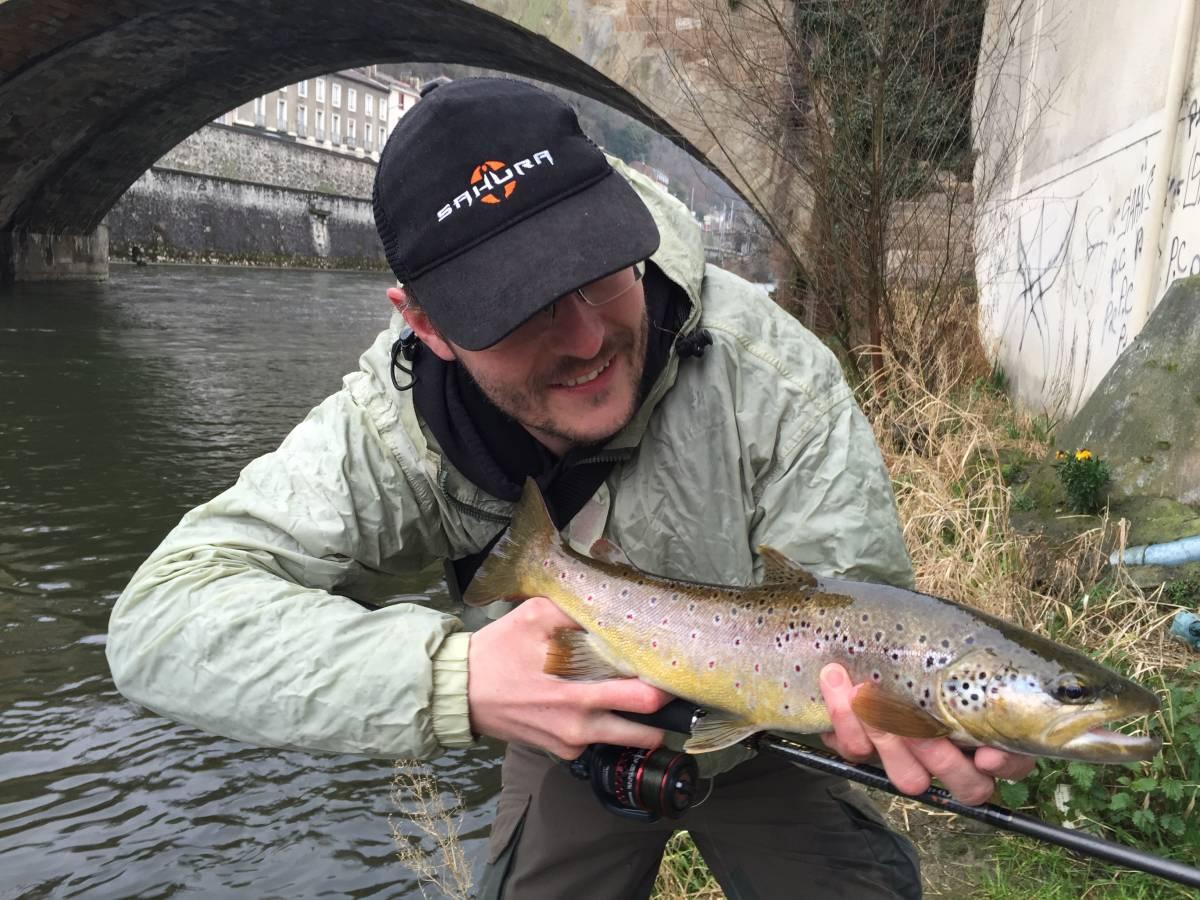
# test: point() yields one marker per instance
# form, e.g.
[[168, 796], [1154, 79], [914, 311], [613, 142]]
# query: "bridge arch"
[[91, 93]]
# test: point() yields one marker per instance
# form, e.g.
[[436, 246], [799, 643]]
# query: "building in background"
[[352, 111]]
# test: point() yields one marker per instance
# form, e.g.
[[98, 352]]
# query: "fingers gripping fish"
[[928, 667]]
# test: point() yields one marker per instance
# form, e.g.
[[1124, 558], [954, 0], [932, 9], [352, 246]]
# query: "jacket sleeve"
[[237, 624], [829, 504]]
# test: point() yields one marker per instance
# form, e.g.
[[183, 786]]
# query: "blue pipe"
[[1171, 553]]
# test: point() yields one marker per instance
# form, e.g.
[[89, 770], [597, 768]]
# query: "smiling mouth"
[[584, 379]]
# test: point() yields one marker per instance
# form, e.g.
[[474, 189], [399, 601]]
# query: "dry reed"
[[434, 852]]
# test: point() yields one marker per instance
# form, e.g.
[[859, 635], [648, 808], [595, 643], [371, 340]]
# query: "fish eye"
[[1071, 690]]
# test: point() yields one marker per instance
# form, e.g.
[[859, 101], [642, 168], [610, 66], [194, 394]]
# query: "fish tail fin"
[[529, 539]]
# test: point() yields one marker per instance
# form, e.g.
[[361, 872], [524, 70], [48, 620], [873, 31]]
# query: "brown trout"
[[751, 656]]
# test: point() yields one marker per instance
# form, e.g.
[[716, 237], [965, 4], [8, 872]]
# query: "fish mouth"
[[1103, 745], [1082, 734]]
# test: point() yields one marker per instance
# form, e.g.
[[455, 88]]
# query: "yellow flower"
[[1083, 453], [1060, 455]]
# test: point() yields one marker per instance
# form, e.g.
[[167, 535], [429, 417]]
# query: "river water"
[[122, 405]]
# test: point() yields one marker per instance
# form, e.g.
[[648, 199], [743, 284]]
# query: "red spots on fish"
[[693, 635], [674, 662], [562, 576], [654, 644], [737, 642], [757, 668], [797, 667], [629, 616], [664, 621], [712, 663], [785, 684], [545, 563], [737, 685]]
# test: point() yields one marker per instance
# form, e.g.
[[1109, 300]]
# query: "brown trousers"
[[768, 829]]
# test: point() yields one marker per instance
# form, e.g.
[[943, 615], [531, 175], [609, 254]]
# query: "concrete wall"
[[229, 194], [1087, 184]]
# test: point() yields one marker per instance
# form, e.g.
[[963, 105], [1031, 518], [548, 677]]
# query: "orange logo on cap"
[[493, 181], [481, 173]]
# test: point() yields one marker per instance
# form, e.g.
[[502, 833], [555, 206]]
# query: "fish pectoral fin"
[[606, 551], [717, 730], [778, 569], [889, 713], [577, 656]]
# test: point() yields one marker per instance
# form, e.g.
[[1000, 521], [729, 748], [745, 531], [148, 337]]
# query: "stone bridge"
[[92, 92]]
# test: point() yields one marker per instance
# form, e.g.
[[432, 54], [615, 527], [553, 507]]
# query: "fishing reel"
[[645, 785]]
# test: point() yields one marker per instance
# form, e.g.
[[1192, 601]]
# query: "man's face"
[[569, 379]]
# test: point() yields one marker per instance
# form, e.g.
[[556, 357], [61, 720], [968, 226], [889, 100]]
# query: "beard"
[[530, 402]]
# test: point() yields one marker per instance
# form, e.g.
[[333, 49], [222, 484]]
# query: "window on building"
[[301, 120], [335, 133], [400, 100], [260, 111], [368, 141], [335, 94], [320, 123], [320, 90], [281, 114], [351, 99], [351, 128], [382, 138], [369, 104], [302, 89]]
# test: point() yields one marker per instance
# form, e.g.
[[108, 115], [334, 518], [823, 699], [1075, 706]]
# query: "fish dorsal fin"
[[717, 730], [605, 550], [778, 569], [530, 534], [578, 656], [892, 714]]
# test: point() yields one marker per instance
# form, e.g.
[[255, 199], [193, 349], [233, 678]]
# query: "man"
[[560, 320]]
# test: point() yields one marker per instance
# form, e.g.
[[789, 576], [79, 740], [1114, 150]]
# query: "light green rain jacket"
[[239, 623]]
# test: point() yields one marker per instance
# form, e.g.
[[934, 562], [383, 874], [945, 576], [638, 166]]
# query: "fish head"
[[1052, 704]]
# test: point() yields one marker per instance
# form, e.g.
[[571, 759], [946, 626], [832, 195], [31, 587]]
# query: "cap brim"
[[480, 296]]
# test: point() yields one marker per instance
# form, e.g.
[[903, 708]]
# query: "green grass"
[[1023, 868]]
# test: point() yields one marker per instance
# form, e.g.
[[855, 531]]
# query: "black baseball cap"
[[492, 203]]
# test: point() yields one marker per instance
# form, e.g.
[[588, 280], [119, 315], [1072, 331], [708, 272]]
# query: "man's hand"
[[512, 699], [911, 763]]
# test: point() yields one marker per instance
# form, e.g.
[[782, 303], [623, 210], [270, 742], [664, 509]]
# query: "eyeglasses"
[[604, 290]]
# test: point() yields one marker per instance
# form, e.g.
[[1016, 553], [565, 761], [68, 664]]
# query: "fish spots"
[[624, 592], [629, 616], [562, 576], [878, 636], [737, 685], [545, 563], [591, 598], [875, 676], [866, 617], [674, 663], [929, 662], [760, 620], [737, 642], [691, 607], [969, 639], [664, 621], [816, 645], [654, 644], [712, 663], [945, 644], [895, 655], [921, 639], [580, 577], [653, 601], [899, 626], [797, 667], [717, 619], [694, 635], [757, 668]]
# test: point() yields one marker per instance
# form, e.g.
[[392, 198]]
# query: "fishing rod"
[[675, 776]]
